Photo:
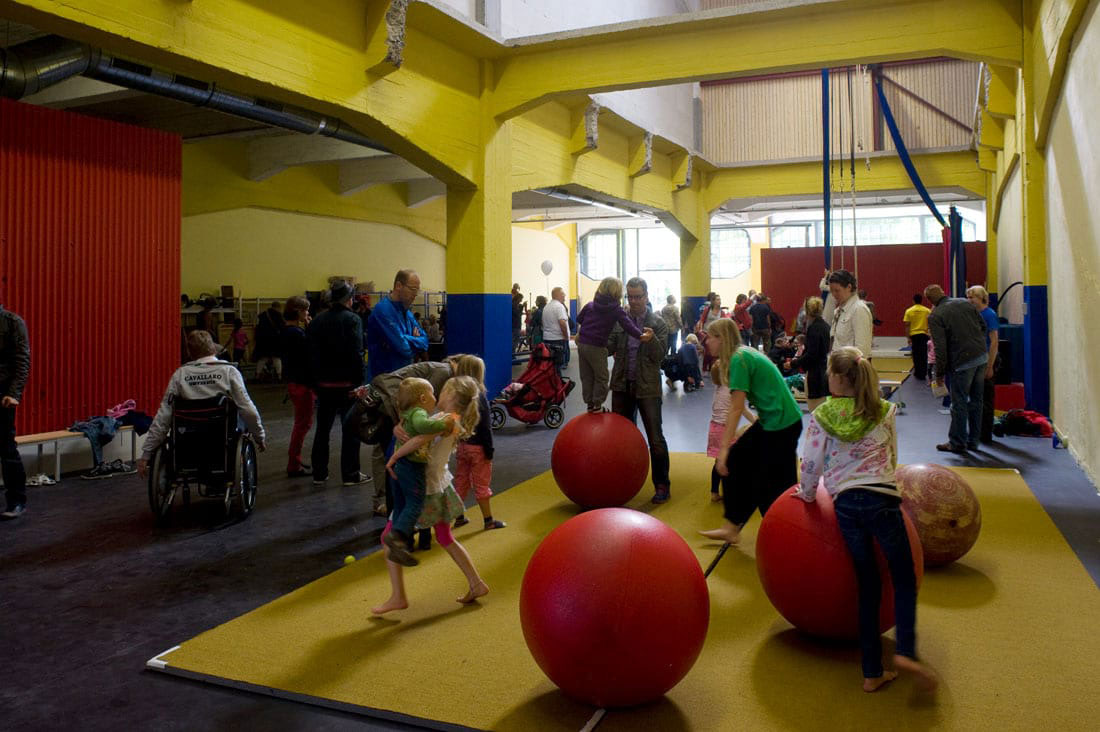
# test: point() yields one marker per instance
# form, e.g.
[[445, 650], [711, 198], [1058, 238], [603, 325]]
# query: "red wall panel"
[[90, 257], [890, 274]]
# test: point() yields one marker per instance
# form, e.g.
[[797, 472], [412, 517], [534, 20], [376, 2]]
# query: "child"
[[475, 452], [719, 410], [689, 360], [852, 443], [238, 339], [415, 398], [460, 395], [596, 320]]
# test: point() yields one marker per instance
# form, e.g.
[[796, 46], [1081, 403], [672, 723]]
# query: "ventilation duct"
[[32, 66]]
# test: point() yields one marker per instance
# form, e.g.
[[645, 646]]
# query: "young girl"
[[415, 398], [766, 454], [852, 443], [459, 395], [238, 339], [475, 452], [596, 319]]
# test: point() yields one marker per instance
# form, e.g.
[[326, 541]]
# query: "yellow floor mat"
[[1011, 628]]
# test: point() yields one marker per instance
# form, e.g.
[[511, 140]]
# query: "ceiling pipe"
[[32, 66]]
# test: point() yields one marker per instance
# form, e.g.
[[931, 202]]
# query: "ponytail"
[[467, 391], [849, 364]]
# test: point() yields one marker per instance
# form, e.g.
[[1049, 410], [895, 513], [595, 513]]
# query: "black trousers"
[[333, 402], [988, 394], [920, 355], [15, 477], [762, 465], [628, 405]]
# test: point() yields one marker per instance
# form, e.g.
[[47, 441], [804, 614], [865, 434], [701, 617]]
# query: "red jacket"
[[741, 315]]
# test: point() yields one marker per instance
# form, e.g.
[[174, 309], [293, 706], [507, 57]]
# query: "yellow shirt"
[[917, 318]]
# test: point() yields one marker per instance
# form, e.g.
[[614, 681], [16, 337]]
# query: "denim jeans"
[[966, 406], [628, 405], [864, 517], [408, 496]]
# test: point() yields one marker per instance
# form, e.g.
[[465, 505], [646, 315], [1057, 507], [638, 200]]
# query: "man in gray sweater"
[[958, 336]]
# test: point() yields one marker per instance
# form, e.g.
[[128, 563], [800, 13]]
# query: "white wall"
[[1073, 237], [530, 248], [1010, 253]]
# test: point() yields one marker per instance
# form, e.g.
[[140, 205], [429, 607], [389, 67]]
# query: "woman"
[[711, 312], [766, 454], [852, 321], [295, 359], [815, 355]]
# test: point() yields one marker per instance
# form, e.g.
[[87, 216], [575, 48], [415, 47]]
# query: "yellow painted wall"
[[530, 248], [586, 290], [1073, 235], [265, 253], [1010, 250]]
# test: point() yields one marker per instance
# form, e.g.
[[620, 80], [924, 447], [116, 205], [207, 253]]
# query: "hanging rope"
[[852, 173]]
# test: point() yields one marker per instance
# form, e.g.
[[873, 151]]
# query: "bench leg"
[[57, 461], [39, 463], [133, 446]]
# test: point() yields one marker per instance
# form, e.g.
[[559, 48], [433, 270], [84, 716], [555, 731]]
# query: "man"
[[335, 341], [761, 323], [636, 379], [671, 315], [555, 327], [269, 333], [958, 335], [393, 340], [979, 298], [15, 365], [517, 315], [916, 323]]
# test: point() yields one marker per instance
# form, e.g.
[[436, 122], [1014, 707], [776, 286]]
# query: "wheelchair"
[[205, 449]]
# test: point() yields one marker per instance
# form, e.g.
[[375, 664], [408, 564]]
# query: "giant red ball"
[[600, 460], [614, 607], [807, 571], [944, 509]]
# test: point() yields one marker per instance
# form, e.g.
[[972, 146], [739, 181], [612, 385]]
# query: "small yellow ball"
[[349, 559]]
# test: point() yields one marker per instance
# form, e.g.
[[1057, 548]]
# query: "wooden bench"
[[43, 438]]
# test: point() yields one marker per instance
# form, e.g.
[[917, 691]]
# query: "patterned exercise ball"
[[600, 460], [807, 571], [944, 508], [614, 607]]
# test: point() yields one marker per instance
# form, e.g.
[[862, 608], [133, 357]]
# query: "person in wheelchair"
[[202, 378]]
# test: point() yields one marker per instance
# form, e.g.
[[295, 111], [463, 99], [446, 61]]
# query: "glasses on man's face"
[[635, 298], [411, 289]]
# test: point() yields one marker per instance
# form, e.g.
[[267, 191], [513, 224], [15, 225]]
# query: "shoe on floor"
[[948, 447], [661, 495], [319, 482], [461, 521], [14, 512], [103, 470], [299, 473], [399, 553], [944, 410], [381, 510], [357, 479], [494, 524]]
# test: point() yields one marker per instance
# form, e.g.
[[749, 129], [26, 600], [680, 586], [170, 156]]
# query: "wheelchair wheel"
[[497, 416], [246, 478], [553, 417], [162, 489]]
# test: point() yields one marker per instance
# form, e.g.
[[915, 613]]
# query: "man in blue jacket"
[[392, 334]]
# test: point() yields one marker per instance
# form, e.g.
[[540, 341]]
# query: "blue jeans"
[[408, 495], [966, 406], [864, 517]]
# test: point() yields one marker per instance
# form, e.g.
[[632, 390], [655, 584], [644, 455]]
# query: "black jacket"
[[15, 354], [295, 352], [958, 333], [760, 312], [815, 357], [336, 348]]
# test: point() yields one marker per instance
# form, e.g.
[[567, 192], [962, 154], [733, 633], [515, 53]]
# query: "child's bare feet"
[[480, 589], [925, 678], [728, 533], [394, 603], [875, 684], [715, 497]]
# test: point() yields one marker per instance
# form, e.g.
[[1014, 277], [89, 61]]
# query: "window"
[[791, 235], [599, 254], [730, 253]]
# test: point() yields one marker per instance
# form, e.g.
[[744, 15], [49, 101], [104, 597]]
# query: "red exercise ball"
[[807, 571], [944, 509], [600, 460], [614, 607]]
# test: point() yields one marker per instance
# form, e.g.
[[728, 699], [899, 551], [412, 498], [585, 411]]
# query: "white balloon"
[[547, 267]]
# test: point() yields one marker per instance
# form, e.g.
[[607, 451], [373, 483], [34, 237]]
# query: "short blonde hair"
[[612, 287], [692, 339], [411, 390], [814, 306], [980, 292]]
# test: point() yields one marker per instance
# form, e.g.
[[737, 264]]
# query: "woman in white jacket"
[[851, 319]]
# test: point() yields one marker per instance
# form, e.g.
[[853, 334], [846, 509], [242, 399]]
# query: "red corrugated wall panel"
[[90, 239], [891, 274]]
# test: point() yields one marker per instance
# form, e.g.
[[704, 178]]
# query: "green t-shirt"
[[416, 421], [753, 373]]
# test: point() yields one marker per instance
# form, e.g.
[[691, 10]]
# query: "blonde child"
[[415, 398], [460, 395], [852, 444], [474, 469], [596, 319]]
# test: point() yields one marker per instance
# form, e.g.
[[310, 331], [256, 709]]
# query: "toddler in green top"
[[415, 399]]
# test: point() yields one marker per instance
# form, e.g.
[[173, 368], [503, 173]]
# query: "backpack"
[[1023, 422]]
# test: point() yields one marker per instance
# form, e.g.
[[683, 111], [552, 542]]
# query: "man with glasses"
[[636, 379]]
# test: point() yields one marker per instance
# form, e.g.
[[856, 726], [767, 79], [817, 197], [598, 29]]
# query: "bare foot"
[[478, 590], [925, 678], [715, 497], [870, 685], [730, 534], [394, 603]]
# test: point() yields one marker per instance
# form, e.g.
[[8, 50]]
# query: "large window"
[[599, 254], [659, 264], [730, 253]]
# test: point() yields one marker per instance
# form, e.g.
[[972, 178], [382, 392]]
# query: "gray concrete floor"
[[90, 590]]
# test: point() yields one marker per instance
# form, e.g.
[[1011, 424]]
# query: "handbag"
[[375, 427]]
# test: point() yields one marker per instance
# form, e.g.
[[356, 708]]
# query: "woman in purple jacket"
[[596, 320]]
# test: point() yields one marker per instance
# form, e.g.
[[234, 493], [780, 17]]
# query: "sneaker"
[[118, 467], [944, 410], [399, 552], [358, 479], [661, 495], [948, 447], [381, 510], [103, 470], [14, 512], [319, 482]]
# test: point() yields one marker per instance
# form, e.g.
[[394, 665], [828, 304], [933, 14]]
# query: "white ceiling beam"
[[358, 175], [268, 156], [79, 91]]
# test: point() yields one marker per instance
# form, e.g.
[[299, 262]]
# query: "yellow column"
[[695, 266], [992, 282]]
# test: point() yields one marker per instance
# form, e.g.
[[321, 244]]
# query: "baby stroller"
[[538, 394]]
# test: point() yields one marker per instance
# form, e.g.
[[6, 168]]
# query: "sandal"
[[494, 524], [461, 521]]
